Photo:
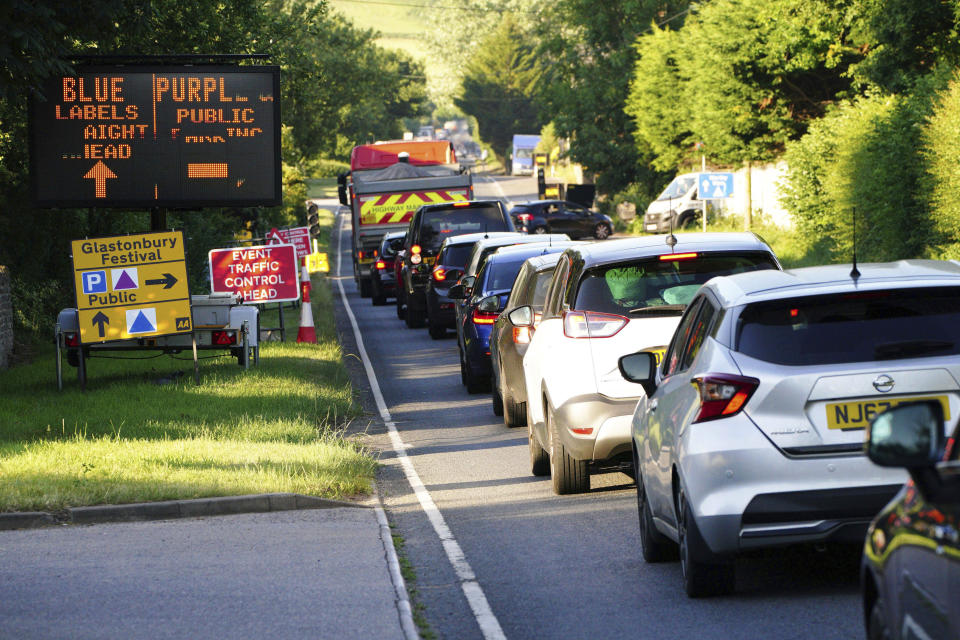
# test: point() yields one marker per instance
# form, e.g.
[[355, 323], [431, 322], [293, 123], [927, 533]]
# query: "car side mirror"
[[456, 292], [467, 282], [641, 368], [521, 317], [490, 304], [910, 435]]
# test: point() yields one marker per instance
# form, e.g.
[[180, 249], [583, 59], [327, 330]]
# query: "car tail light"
[[71, 339], [481, 317], [461, 203], [439, 274], [522, 335], [415, 249], [525, 218], [224, 337], [723, 395], [381, 264], [582, 431], [592, 324]]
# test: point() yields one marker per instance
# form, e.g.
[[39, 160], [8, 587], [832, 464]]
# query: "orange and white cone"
[[305, 275], [306, 332]]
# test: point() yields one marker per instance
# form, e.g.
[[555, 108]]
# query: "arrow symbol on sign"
[[167, 281], [99, 173], [100, 319]]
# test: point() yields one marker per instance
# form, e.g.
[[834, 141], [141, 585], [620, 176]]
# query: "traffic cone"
[[306, 332], [305, 274]]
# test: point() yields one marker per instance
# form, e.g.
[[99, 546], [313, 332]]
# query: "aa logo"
[[183, 324]]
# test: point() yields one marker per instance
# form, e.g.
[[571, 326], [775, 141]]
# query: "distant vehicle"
[[911, 560], [383, 276], [606, 300], [521, 155], [561, 216], [751, 431], [430, 226], [426, 132], [677, 207], [449, 267], [386, 183], [487, 297]]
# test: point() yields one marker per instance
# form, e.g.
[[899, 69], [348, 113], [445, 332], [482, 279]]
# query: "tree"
[[741, 76], [589, 46], [453, 34], [499, 86]]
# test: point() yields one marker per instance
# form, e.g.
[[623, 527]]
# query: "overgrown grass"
[[144, 431]]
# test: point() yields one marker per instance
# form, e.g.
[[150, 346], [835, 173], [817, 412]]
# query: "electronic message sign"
[[131, 286], [161, 136]]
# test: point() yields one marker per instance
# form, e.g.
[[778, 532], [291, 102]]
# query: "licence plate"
[[651, 227], [858, 413]]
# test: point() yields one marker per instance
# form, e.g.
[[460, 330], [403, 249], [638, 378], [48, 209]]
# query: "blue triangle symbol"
[[141, 324], [125, 282]]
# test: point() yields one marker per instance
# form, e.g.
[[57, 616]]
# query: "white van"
[[678, 203]]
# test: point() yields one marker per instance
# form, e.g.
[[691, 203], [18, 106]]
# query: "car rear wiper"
[[908, 348], [662, 310]]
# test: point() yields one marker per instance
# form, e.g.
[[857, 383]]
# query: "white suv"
[[607, 300], [752, 431]]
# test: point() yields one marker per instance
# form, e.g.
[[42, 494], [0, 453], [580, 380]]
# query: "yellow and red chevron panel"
[[394, 208]]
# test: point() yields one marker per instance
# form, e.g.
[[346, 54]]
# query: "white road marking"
[[496, 183], [489, 625]]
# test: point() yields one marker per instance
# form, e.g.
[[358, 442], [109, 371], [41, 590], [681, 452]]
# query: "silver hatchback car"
[[751, 432]]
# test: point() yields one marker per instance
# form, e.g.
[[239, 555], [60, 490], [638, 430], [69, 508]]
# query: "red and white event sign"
[[297, 236], [260, 274]]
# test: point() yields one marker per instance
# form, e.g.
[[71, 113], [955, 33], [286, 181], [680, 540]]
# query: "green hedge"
[[864, 157], [941, 151]]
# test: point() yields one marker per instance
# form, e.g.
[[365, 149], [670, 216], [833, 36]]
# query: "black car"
[[450, 265], [508, 344], [430, 226], [383, 278], [561, 216], [910, 572]]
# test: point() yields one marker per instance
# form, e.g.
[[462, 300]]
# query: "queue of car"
[[736, 394]]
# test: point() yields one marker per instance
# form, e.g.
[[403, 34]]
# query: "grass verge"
[[143, 431], [410, 579]]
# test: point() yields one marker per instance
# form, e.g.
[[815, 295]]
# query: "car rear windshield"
[[852, 327], [440, 224], [659, 286], [456, 255], [501, 275]]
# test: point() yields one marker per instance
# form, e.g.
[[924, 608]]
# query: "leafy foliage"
[[742, 76], [941, 152], [906, 39], [499, 84], [338, 89], [863, 159], [453, 36]]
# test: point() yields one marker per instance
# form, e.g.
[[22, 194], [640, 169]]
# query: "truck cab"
[[387, 182]]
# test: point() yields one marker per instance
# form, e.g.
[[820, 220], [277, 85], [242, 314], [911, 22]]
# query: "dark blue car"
[[487, 298]]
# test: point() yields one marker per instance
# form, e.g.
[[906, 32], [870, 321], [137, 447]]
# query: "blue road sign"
[[94, 282], [714, 186]]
